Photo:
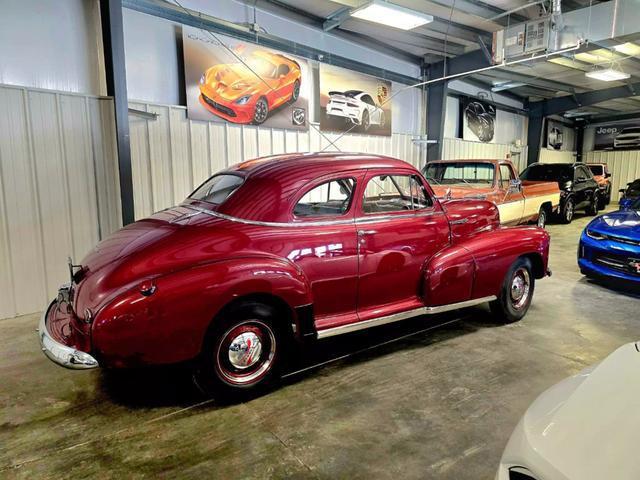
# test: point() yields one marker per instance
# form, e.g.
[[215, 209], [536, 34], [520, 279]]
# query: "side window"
[[368, 99], [283, 69], [327, 199], [506, 175], [395, 193]]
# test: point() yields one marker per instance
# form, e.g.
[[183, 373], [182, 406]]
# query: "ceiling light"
[[608, 75], [628, 48], [391, 15]]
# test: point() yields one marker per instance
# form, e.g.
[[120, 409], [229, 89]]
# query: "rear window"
[[596, 169], [217, 189], [460, 173], [550, 173]]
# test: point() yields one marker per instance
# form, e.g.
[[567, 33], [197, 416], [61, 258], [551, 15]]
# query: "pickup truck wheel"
[[516, 292], [568, 209], [241, 354], [542, 218]]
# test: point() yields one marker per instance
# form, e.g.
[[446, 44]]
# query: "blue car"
[[610, 245]]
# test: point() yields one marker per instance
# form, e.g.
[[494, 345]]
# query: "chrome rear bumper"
[[59, 353]]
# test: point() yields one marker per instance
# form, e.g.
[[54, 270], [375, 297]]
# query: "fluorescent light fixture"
[[628, 48], [391, 15], [601, 55], [608, 75]]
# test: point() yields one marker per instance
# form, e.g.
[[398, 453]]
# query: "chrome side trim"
[[386, 217], [396, 317], [63, 355]]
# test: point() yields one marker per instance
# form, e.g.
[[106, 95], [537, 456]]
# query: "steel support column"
[[579, 141], [436, 112], [113, 44], [534, 138]]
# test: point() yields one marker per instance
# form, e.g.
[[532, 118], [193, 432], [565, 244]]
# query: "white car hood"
[[588, 427]]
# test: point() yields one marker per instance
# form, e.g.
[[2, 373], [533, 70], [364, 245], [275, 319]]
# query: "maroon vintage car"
[[286, 249]]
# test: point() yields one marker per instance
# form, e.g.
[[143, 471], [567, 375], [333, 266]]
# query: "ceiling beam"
[[635, 115], [336, 18], [555, 106], [482, 10]]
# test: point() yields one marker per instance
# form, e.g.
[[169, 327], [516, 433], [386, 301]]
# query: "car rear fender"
[[168, 325]]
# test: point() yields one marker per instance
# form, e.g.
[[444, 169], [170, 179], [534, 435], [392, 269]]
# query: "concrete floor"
[[439, 403]]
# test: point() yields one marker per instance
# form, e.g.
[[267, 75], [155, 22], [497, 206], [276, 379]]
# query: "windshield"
[[466, 173], [636, 205], [262, 67], [550, 172], [596, 169], [217, 189]]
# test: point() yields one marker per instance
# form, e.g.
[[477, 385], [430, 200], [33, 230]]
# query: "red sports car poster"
[[230, 80]]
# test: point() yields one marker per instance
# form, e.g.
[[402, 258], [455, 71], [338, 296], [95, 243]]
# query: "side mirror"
[[607, 175], [622, 190], [515, 185]]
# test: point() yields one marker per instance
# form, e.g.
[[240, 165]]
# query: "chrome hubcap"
[[520, 285], [542, 219], [244, 350], [246, 353]]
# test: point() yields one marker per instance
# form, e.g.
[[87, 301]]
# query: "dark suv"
[[578, 189]]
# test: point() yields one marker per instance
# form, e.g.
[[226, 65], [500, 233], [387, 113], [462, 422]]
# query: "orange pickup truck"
[[497, 181]]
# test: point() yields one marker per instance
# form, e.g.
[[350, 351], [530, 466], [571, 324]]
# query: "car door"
[[582, 190], [325, 246], [283, 83], [510, 196], [374, 112], [399, 227]]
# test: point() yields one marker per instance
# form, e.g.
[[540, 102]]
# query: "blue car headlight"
[[243, 100], [595, 235]]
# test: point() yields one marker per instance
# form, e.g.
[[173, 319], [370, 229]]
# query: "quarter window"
[[327, 199], [395, 193]]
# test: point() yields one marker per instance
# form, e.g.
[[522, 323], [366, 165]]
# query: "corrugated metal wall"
[[172, 154], [556, 156], [58, 189], [624, 167], [456, 148]]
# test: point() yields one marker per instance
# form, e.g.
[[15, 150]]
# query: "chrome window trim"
[[319, 223], [396, 317]]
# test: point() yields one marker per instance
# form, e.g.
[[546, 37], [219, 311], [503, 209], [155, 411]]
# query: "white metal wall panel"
[[58, 189], [172, 154], [624, 167], [456, 148], [557, 156]]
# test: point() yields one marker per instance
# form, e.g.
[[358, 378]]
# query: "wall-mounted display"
[[623, 136], [478, 121], [554, 135], [230, 80], [354, 102]]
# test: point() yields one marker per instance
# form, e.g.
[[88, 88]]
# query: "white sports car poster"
[[354, 102]]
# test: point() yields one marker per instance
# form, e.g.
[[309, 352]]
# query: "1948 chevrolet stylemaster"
[[286, 249]]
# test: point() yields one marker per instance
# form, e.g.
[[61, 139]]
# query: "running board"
[[396, 317]]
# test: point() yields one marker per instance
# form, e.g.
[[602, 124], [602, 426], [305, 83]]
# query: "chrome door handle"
[[362, 233], [459, 222]]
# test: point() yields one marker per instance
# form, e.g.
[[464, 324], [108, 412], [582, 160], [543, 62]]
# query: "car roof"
[[272, 182], [471, 160], [330, 161]]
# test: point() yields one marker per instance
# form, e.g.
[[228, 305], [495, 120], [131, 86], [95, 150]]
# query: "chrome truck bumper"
[[60, 353]]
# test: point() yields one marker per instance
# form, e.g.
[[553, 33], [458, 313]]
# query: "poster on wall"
[[623, 136], [238, 82], [478, 121], [354, 102], [554, 135]]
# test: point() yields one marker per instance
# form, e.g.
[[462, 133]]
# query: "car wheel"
[[241, 353], [364, 121], [296, 91], [567, 211], [542, 217], [602, 201], [608, 199], [516, 292], [592, 209], [261, 111]]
